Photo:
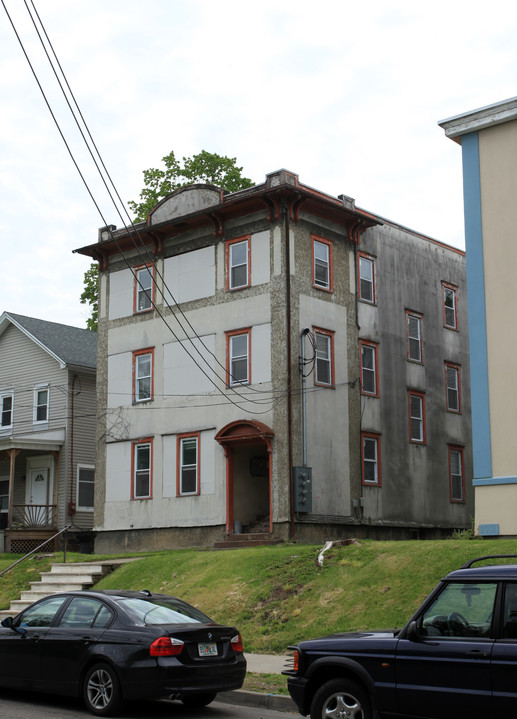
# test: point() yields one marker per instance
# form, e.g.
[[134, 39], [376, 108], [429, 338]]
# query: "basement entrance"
[[247, 447]]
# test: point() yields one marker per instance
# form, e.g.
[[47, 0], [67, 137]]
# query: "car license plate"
[[207, 650]]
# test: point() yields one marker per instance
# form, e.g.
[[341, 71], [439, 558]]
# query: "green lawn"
[[278, 595]]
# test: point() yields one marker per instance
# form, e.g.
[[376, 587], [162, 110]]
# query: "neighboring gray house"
[[47, 430], [208, 312]]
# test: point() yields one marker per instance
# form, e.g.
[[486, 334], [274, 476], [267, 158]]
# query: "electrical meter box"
[[302, 487]]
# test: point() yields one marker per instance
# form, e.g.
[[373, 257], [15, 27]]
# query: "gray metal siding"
[[415, 478]]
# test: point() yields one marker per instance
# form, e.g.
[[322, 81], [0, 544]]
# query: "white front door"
[[37, 491]]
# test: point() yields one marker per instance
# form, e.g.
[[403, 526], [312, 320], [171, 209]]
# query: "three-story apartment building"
[[277, 358]]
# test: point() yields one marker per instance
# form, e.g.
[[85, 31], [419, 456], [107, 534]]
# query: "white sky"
[[346, 94]]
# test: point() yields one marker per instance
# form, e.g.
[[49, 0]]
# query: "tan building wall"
[[488, 137], [497, 162]]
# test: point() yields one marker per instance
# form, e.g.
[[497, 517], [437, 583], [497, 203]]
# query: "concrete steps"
[[61, 578]]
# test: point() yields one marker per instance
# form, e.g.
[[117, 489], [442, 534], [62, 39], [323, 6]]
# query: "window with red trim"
[[321, 263], [141, 470], [324, 357], [450, 306], [369, 368], [144, 288], [188, 465], [366, 277], [238, 357], [417, 428], [238, 256], [453, 387], [143, 382], [456, 474], [371, 459], [414, 336]]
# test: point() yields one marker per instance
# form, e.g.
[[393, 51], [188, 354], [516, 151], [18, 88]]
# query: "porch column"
[[13, 453], [54, 518], [228, 453]]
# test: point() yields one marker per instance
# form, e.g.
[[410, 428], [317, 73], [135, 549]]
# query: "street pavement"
[[261, 664]]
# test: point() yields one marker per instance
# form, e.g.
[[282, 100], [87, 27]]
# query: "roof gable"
[[68, 345]]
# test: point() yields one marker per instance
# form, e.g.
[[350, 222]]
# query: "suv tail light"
[[165, 647], [296, 660], [236, 643]]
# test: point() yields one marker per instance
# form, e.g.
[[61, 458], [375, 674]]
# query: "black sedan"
[[111, 646]]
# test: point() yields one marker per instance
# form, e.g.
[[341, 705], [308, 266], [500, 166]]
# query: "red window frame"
[[377, 438], [370, 258], [421, 395], [328, 243], [457, 368], [374, 346], [453, 288], [229, 336], [137, 288], [228, 245], [457, 448], [418, 316], [136, 354], [179, 442], [134, 446], [330, 335]]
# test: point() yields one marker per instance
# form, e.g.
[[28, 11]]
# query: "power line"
[[232, 389]]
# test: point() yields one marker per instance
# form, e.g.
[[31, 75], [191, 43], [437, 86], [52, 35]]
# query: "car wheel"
[[101, 690], [341, 698], [195, 701]]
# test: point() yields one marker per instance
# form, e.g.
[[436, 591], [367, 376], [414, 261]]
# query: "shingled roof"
[[68, 345]]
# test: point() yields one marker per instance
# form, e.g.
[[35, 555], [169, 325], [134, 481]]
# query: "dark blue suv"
[[456, 657]]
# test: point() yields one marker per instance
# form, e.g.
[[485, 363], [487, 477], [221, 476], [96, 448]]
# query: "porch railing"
[[33, 515]]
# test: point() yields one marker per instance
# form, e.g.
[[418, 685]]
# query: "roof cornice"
[[480, 119], [282, 192]]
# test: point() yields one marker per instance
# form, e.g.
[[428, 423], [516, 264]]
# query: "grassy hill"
[[279, 595]]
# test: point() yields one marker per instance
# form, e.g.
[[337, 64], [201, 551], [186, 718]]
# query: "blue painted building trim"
[[492, 481], [481, 444]]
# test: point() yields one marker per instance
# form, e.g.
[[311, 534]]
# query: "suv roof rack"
[[469, 564]]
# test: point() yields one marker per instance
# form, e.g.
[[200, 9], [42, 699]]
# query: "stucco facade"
[[488, 138], [206, 311]]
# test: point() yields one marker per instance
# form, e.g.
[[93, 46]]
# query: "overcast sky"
[[346, 94]]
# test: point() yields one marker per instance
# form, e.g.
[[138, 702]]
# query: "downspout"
[[304, 333], [289, 373], [71, 504]]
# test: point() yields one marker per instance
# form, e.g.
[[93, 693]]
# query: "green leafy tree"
[[206, 167], [90, 295]]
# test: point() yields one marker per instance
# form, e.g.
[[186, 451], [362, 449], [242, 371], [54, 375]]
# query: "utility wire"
[[144, 246], [118, 211], [149, 257]]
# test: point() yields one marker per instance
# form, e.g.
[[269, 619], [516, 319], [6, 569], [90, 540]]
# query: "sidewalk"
[[266, 663], [261, 664]]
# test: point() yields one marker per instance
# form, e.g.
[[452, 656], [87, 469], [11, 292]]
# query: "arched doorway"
[[247, 447]]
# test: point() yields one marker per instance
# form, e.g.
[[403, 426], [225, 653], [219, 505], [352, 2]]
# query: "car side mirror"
[[8, 623], [412, 632]]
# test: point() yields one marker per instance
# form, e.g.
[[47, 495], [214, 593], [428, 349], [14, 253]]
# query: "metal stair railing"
[[62, 531]]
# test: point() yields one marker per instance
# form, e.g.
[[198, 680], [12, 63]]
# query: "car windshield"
[[163, 611]]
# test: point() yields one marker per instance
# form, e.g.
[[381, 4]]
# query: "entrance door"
[[38, 486], [248, 450], [37, 511]]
